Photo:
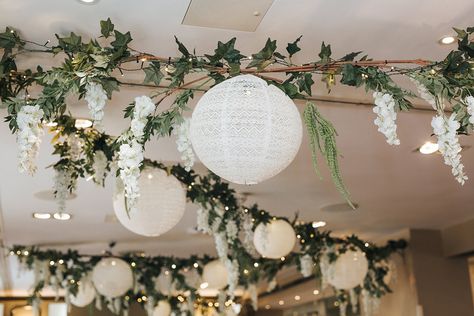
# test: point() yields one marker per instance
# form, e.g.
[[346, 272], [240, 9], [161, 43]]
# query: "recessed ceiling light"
[[267, 306], [88, 1], [429, 148], [297, 298], [62, 216], [447, 40], [204, 285], [281, 302], [315, 292], [319, 224], [41, 215], [82, 123]]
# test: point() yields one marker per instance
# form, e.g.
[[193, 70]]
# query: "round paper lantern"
[[192, 278], [245, 130], [85, 293], [163, 308], [215, 275], [275, 239], [112, 277], [349, 270], [164, 284], [160, 207]]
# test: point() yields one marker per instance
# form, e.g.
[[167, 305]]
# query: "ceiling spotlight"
[[204, 285], [281, 302], [82, 123], [88, 1], [428, 148], [42, 215], [62, 216], [315, 292], [297, 298], [447, 40], [319, 224]]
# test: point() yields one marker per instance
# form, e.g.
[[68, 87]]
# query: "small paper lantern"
[[163, 308], [85, 293], [349, 270], [164, 284], [215, 275], [160, 207], [245, 130], [275, 239], [112, 277], [192, 278]]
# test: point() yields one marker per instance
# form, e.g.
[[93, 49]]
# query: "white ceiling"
[[394, 187]]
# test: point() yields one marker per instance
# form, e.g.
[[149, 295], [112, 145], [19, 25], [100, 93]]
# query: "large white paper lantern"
[[245, 130], [163, 308], [215, 275], [275, 239], [160, 207], [349, 270], [112, 277], [85, 293]]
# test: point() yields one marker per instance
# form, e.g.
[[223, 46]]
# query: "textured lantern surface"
[[85, 293], [349, 270], [163, 308], [112, 277], [215, 275], [275, 239], [160, 207], [245, 130]]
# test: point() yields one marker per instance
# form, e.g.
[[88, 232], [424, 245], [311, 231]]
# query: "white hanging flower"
[[354, 299], [29, 137], [424, 93], [307, 265], [75, 147], [62, 183], [144, 106], [247, 225], [343, 308], [326, 268], [470, 108], [448, 142], [232, 231], [203, 221], [99, 166], [386, 116], [96, 98], [129, 161], [222, 246], [253, 296], [232, 267], [272, 284], [370, 304], [183, 142]]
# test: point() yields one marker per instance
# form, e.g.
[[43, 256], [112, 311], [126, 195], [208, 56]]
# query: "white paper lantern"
[[112, 277], [245, 130], [85, 293], [215, 275], [192, 278], [349, 270], [275, 239], [163, 308], [164, 284], [160, 207]]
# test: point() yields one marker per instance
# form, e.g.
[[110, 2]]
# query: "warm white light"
[[267, 306], [204, 285], [51, 124], [42, 215], [315, 292], [82, 123], [88, 1], [319, 224], [297, 298], [447, 40], [62, 216], [281, 302], [429, 148]]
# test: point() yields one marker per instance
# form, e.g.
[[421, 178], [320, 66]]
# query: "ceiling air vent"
[[241, 15]]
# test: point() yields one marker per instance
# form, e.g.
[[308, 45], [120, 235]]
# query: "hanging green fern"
[[322, 138]]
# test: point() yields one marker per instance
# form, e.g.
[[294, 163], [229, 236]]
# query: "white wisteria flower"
[[386, 116], [96, 98], [183, 143], [144, 106], [448, 141], [232, 267], [253, 293], [425, 94], [247, 226], [62, 183], [29, 136], [222, 246], [470, 108], [99, 166], [306, 265], [130, 159], [232, 231], [203, 221]]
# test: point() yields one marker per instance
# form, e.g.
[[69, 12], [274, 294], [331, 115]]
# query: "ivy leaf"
[[305, 83], [106, 28], [264, 57], [289, 88], [153, 73], [110, 85], [121, 40], [8, 39], [351, 75], [292, 48], [182, 48], [70, 44], [351, 56], [325, 53], [227, 52]]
